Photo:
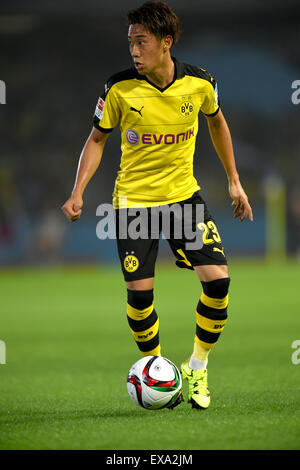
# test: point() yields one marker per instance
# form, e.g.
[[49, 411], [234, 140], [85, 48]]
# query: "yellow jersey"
[[158, 129]]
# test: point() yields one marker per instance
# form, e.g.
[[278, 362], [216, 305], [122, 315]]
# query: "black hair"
[[157, 18]]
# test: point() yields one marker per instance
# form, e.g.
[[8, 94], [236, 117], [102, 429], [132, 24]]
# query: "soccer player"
[[157, 102]]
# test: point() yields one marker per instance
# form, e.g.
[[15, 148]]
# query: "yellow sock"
[[199, 353], [199, 358]]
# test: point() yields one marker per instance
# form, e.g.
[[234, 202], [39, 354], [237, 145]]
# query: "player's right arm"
[[89, 161]]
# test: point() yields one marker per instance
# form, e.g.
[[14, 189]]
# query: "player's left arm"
[[221, 139]]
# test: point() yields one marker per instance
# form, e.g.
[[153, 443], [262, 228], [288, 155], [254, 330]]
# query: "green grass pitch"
[[69, 348]]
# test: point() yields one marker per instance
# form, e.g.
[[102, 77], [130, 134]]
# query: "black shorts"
[[138, 237]]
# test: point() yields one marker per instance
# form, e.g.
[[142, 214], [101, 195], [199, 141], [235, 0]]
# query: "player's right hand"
[[72, 208]]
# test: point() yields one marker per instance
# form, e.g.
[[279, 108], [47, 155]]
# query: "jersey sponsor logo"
[[100, 108], [132, 137], [186, 108], [151, 139]]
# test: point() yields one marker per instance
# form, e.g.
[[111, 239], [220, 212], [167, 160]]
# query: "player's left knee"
[[214, 298], [216, 289]]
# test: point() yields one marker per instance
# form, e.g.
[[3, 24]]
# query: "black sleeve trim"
[[213, 114], [102, 129]]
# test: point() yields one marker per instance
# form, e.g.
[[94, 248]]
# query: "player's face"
[[145, 49]]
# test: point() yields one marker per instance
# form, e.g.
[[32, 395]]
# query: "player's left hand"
[[240, 201]]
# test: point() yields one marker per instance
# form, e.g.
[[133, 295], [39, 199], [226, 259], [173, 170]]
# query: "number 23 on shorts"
[[209, 226]]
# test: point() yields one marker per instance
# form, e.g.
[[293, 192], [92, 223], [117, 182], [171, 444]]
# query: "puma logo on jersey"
[[139, 111]]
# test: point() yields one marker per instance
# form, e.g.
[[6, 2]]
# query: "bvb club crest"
[[186, 107], [131, 263]]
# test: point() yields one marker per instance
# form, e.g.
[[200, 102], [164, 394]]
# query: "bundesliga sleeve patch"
[[100, 108]]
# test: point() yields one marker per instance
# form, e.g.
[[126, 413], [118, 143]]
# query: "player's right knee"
[[143, 321], [140, 309], [140, 299]]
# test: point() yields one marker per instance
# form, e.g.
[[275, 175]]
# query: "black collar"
[[179, 67], [178, 73]]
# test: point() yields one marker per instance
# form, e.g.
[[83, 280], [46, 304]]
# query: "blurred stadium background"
[[55, 58], [58, 389]]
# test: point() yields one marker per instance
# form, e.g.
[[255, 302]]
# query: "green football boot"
[[198, 394]]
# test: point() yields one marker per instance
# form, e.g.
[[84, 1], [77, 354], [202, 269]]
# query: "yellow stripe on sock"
[[136, 314], [154, 352], [213, 326], [214, 303], [202, 344], [143, 336]]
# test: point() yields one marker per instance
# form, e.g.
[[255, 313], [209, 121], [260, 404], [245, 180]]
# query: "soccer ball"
[[154, 382]]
